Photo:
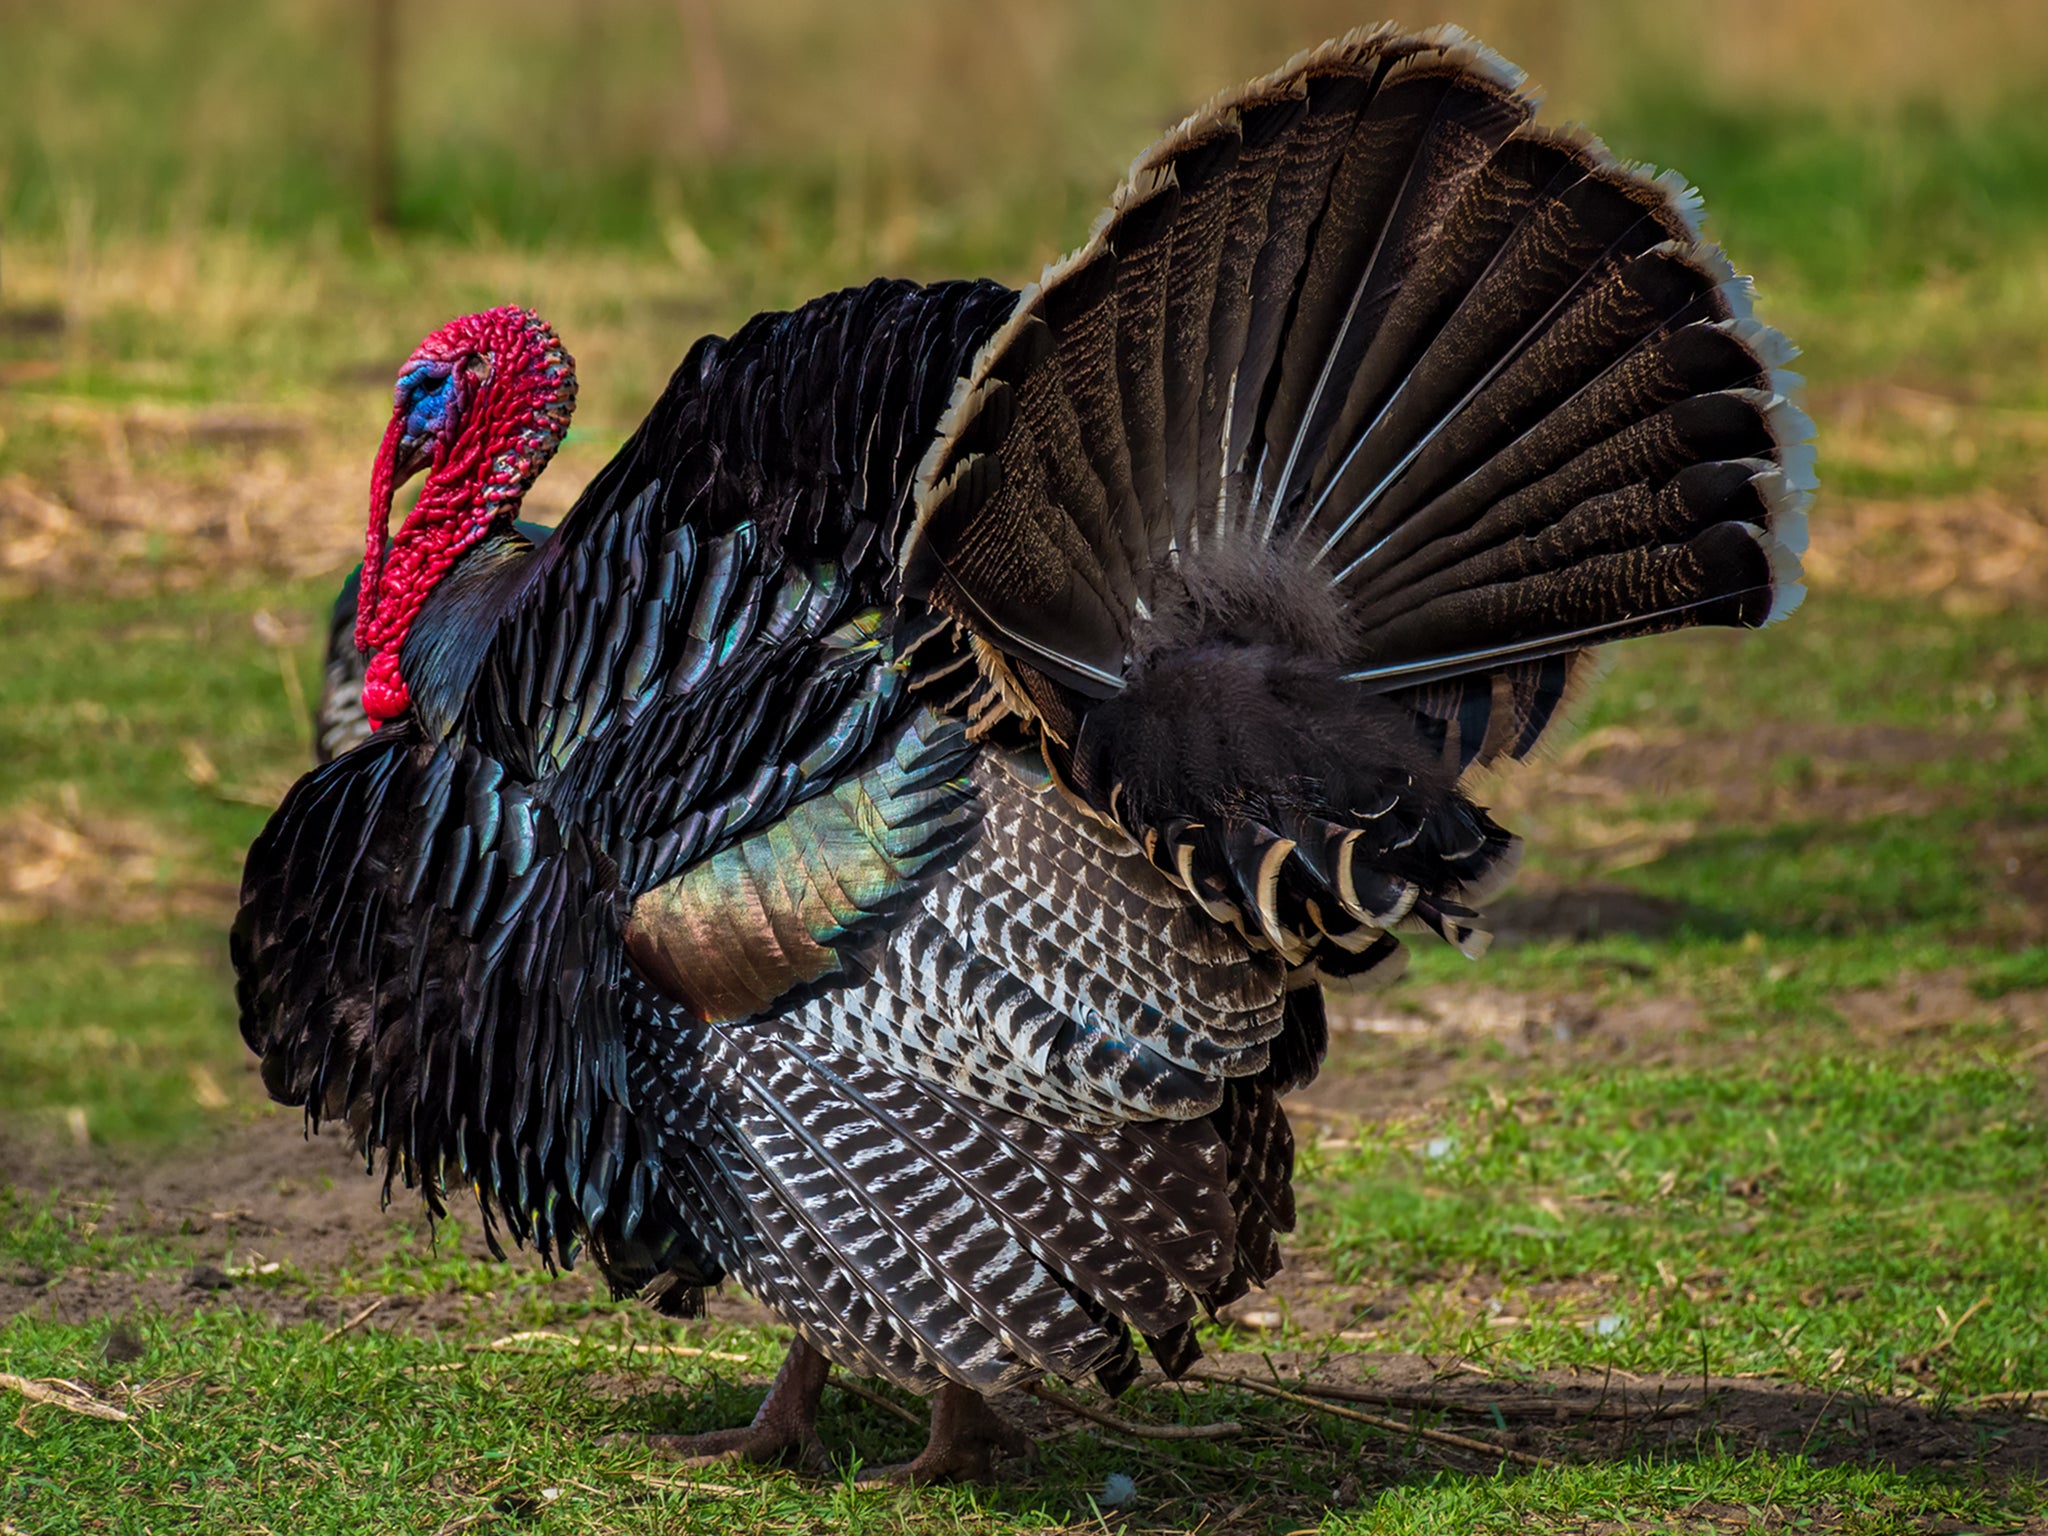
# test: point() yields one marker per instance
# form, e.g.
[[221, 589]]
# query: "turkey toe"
[[784, 1430], [967, 1438]]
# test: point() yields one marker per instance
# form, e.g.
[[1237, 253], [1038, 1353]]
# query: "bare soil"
[[1604, 804], [262, 1195], [1592, 1415]]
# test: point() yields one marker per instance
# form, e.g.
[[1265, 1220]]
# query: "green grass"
[[422, 1434], [243, 1424], [1803, 1220], [1784, 1197], [112, 1010]]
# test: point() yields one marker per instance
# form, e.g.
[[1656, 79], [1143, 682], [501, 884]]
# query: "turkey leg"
[[967, 1435], [785, 1429]]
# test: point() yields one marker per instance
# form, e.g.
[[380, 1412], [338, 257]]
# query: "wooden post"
[[383, 167], [710, 101]]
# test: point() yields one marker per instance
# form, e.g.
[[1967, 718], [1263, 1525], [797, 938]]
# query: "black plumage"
[[887, 844]]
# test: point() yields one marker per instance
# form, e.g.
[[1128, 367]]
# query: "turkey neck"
[[447, 642]]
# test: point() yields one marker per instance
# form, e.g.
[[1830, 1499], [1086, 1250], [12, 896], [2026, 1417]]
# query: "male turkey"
[[886, 845]]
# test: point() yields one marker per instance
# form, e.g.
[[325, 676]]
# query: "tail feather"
[[1556, 306], [1430, 134], [1205, 171], [1635, 516], [1698, 359], [1369, 410], [1335, 90], [1494, 205], [1266, 119], [1609, 491]]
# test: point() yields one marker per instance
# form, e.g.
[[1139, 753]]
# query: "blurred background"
[[224, 222]]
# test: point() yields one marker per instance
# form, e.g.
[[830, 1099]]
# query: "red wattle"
[[385, 695], [383, 485]]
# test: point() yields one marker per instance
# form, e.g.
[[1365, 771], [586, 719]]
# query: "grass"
[[1821, 848], [1816, 1223]]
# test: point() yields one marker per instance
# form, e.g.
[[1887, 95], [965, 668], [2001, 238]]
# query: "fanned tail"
[[1312, 480]]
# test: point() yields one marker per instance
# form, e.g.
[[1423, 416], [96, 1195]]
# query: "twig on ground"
[[1506, 1407], [870, 1395], [1950, 1330], [355, 1322], [514, 1343], [2027, 1397], [150, 1393], [68, 1395], [1807, 1439], [1221, 1430], [685, 1485], [1380, 1421], [464, 1522]]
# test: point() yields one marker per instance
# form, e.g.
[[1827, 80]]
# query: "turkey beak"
[[414, 454]]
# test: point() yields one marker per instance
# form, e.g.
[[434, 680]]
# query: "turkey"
[[887, 846]]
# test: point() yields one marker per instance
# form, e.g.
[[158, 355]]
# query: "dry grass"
[[1976, 553], [58, 862], [210, 404]]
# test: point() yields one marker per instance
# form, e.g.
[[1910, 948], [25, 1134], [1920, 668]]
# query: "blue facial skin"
[[426, 394]]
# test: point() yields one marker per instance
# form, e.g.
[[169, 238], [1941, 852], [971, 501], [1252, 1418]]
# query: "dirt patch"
[[1538, 910], [1584, 1415], [265, 1219], [59, 861], [2015, 852], [1981, 552], [1401, 1055], [1621, 798], [1939, 1002], [1975, 551], [124, 531], [1579, 806]]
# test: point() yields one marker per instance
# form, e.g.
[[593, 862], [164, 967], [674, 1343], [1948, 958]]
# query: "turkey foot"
[[784, 1430], [967, 1435]]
